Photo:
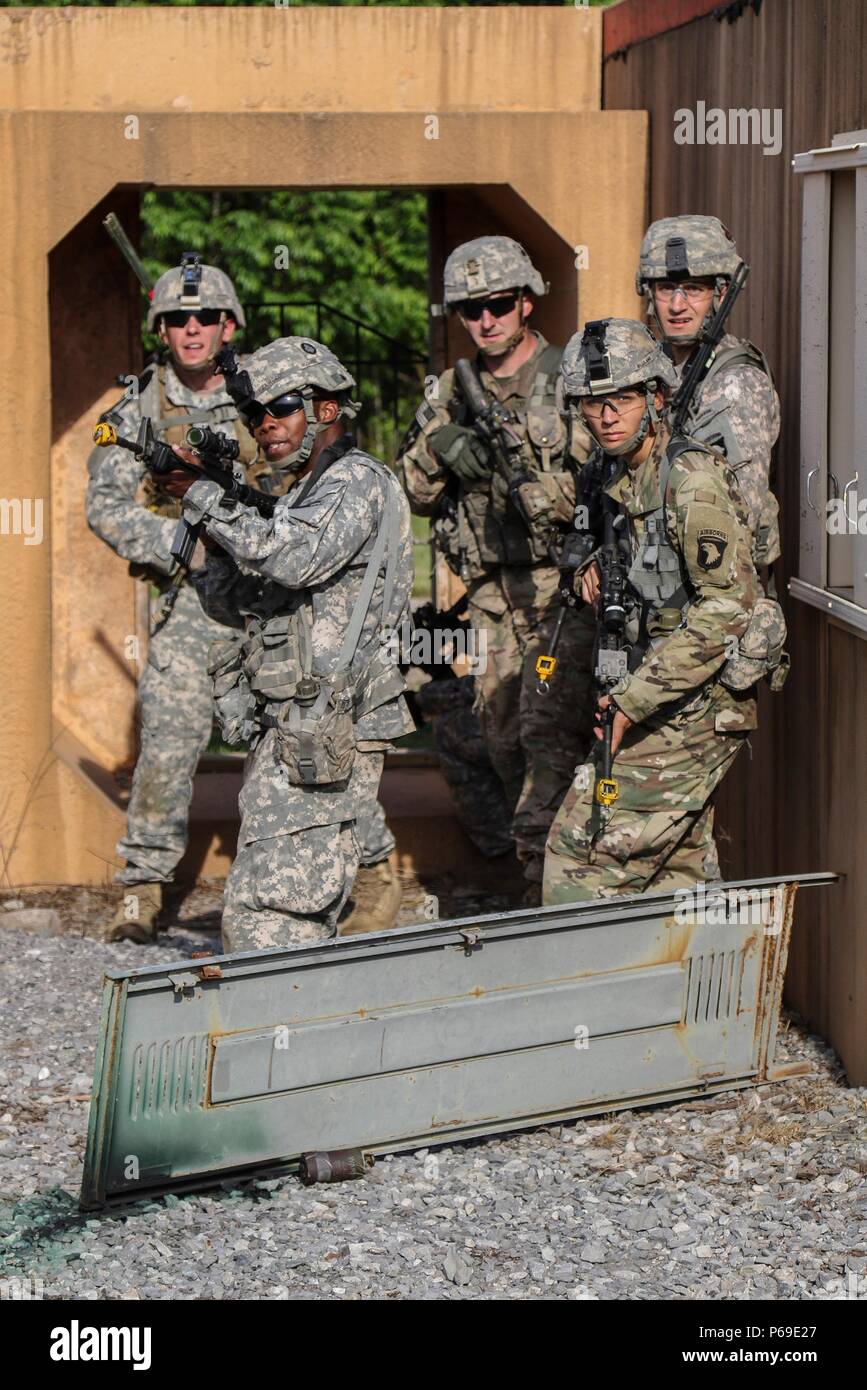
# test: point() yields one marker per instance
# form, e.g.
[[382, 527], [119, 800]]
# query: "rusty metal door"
[[433, 1033]]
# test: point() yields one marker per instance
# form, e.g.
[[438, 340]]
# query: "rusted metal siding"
[[430, 1034], [800, 801]]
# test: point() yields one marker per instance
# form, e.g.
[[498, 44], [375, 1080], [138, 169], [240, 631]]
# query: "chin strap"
[[503, 348], [297, 459]]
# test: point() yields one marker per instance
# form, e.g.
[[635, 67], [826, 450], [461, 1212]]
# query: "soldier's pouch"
[[316, 736], [546, 433], [234, 702], [273, 663], [549, 498], [760, 650]]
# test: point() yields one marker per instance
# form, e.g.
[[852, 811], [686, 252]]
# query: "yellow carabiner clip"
[[104, 434], [607, 791]]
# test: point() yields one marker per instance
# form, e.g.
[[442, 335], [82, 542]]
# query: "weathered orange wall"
[[235, 98]]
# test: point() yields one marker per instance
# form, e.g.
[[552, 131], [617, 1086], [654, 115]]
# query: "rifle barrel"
[[708, 345], [127, 250]]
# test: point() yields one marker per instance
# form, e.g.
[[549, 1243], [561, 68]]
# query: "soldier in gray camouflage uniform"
[[697, 633], [308, 680], [534, 740], [125, 510], [685, 265]]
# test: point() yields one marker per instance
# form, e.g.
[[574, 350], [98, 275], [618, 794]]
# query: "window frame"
[[818, 484]]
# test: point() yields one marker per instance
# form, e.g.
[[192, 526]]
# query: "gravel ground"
[[756, 1194]]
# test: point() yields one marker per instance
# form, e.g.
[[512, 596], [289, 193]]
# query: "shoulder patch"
[[710, 542], [712, 546]]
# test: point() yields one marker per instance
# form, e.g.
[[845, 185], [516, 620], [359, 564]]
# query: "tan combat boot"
[[137, 912], [375, 900]]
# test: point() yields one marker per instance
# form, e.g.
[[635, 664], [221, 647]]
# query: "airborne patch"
[[712, 546]]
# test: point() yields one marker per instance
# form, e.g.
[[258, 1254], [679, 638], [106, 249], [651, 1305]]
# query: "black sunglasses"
[[177, 318], [254, 412], [474, 308]]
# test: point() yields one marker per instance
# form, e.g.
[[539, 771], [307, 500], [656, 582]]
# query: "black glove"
[[460, 450]]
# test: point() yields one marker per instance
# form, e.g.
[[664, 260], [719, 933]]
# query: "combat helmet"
[[486, 266], [293, 366], [611, 355], [681, 248], [489, 265], [192, 286]]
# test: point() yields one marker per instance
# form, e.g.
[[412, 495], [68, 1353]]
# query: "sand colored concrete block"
[[97, 104]]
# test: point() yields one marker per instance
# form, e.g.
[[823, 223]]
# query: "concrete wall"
[[230, 99]]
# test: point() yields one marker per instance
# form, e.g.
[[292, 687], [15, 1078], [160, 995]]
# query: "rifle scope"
[[208, 441]]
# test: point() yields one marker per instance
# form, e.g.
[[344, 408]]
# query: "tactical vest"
[[260, 677], [766, 543], [170, 423], [657, 577], [481, 528], [663, 591]]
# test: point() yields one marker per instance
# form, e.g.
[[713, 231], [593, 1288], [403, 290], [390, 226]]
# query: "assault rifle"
[[217, 453], [708, 342], [495, 424], [612, 658], [576, 549]]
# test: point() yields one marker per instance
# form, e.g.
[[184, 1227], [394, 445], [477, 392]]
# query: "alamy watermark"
[[736, 126], [22, 516], [746, 907], [439, 646], [845, 516]]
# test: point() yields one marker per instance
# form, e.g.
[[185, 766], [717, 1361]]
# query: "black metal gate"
[[390, 374]]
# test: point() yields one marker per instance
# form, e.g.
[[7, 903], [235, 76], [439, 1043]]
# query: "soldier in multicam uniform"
[[534, 740], [685, 265], [309, 682], [195, 316], [696, 633]]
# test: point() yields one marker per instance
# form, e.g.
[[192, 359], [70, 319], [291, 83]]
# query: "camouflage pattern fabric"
[[288, 889], [313, 551], [114, 509], [177, 715], [634, 358], [292, 364], [687, 726], [215, 291], [736, 410], [484, 532], [375, 840], [174, 690], [660, 834], [486, 266], [708, 250], [735, 407], [483, 811], [534, 741]]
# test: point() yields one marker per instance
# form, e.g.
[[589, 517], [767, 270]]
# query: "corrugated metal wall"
[[800, 803]]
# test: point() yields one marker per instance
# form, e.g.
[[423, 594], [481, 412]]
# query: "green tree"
[[341, 258]]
